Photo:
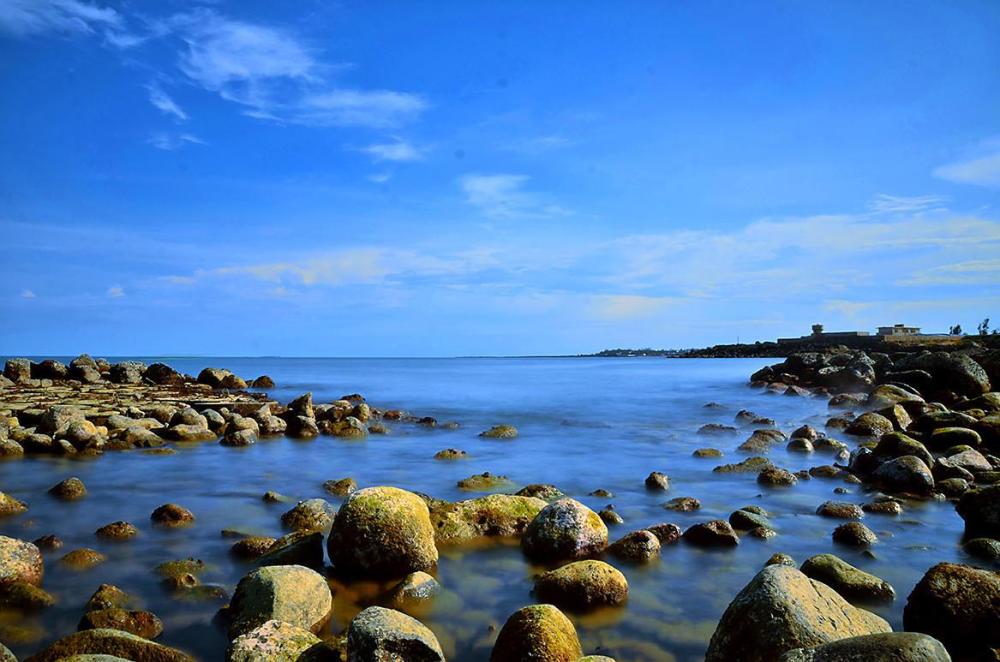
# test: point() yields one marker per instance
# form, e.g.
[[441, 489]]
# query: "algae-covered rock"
[[141, 623], [495, 515], [980, 508], [11, 506], [884, 647], [20, 561], [500, 432], [104, 641], [70, 489], [378, 634], [289, 593], [541, 491], [854, 534], [281, 642], [383, 532], [637, 547], [484, 481], [83, 559], [582, 585], [310, 515], [342, 488], [172, 515], [537, 632], [251, 547], [850, 582], [782, 609], [565, 530], [107, 596], [117, 531], [24, 596]]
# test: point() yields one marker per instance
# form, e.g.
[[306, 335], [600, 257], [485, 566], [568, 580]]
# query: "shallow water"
[[584, 424]]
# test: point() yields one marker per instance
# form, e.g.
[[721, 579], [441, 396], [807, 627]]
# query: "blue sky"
[[446, 178]]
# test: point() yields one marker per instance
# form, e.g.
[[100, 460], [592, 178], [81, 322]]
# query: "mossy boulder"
[[383, 532], [310, 515], [716, 533], [279, 641], [70, 489], [378, 634], [251, 547], [25, 596], [583, 585], [500, 432], [906, 474], [20, 561], [870, 424], [782, 609], [494, 515], [289, 593], [541, 491], [106, 641], [483, 482], [850, 582], [537, 632], [565, 530], [107, 596]]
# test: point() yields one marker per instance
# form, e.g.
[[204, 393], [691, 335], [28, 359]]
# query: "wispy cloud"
[[969, 272], [164, 103], [172, 141], [503, 196], [116, 292], [32, 17], [982, 171], [898, 204], [614, 307], [399, 150], [380, 177], [27, 294]]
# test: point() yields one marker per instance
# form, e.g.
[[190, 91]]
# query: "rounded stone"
[[855, 534], [565, 530], [117, 531], [289, 593], [309, 515], [172, 515], [537, 632], [20, 561], [583, 585], [637, 546]]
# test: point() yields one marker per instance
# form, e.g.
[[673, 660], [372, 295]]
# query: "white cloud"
[[615, 307], [27, 294], [502, 196], [969, 272], [164, 103], [399, 150], [981, 171], [380, 177], [173, 141], [116, 291], [897, 204], [32, 17]]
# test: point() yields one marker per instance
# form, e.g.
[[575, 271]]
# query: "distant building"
[[821, 336], [898, 330]]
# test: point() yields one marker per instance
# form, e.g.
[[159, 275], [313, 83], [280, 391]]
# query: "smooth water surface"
[[584, 424]]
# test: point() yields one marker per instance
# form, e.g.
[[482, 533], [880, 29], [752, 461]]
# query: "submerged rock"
[[25, 597], [565, 530], [500, 432], [537, 632], [117, 531], [289, 593], [781, 609], [885, 647], [416, 587], [450, 454], [583, 585], [11, 506], [383, 532], [541, 491], [378, 634], [483, 481], [83, 559]]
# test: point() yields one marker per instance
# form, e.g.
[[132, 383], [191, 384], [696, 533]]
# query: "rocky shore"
[[905, 428]]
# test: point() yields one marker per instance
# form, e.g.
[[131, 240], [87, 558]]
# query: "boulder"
[[885, 647], [107, 596], [565, 530], [56, 419], [850, 582], [781, 609], [500, 432], [637, 547], [11, 506], [140, 623], [980, 508], [378, 634], [119, 530], [776, 477], [20, 561], [252, 547], [213, 377], [541, 491], [171, 515], [310, 515], [870, 424], [296, 548], [537, 632], [906, 474], [17, 370], [24, 597], [109, 642], [127, 372], [383, 532], [83, 559], [161, 373], [716, 533], [840, 510], [289, 593], [70, 489], [952, 372], [262, 382], [854, 534], [414, 589], [276, 640], [303, 406], [494, 515], [958, 605], [583, 585], [342, 488], [657, 480]]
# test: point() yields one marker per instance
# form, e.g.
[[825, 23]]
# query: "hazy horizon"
[[391, 179]]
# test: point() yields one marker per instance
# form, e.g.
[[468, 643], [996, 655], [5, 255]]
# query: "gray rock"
[[887, 647], [289, 593], [378, 634]]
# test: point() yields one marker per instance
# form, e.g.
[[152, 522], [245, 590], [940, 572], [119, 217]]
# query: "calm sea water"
[[584, 424]]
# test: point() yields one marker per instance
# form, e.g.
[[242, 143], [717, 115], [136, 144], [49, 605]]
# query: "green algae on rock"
[[582, 585], [565, 530], [494, 515], [537, 632]]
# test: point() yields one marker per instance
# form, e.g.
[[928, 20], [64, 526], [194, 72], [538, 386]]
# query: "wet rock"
[[48, 543], [171, 515], [117, 531], [500, 432], [251, 547], [945, 437], [668, 534], [850, 582], [378, 634], [971, 460], [342, 488], [383, 532], [957, 604], [886, 647], [11, 506], [296, 548], [776, 477], [707, 452], [239, 438], [140, 623], [415, 588], [70, 489], [602, 493], [952, 487], [870, 424], [854, 534], [24, 596], [290, 593], [883, 507], [537, 632], [495, 515], [716, 533], [583, 585], [683, 504], [761, 441], [840, 510], [637, 547], [107, 596], [273, 497], [565, 530], [189, 433], [952, 372], [906, 474], [450, 454], [540, 491], [715, 429], [657, 481], [10, 448], [310, 515], [781, 609], [610, 517], [983, 548], [825, 471], [897, 444], [749, 465], [105, 641], [799, 445], [745, 520], [484, 481], [275, 640], [83, 559], [780, 559]]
